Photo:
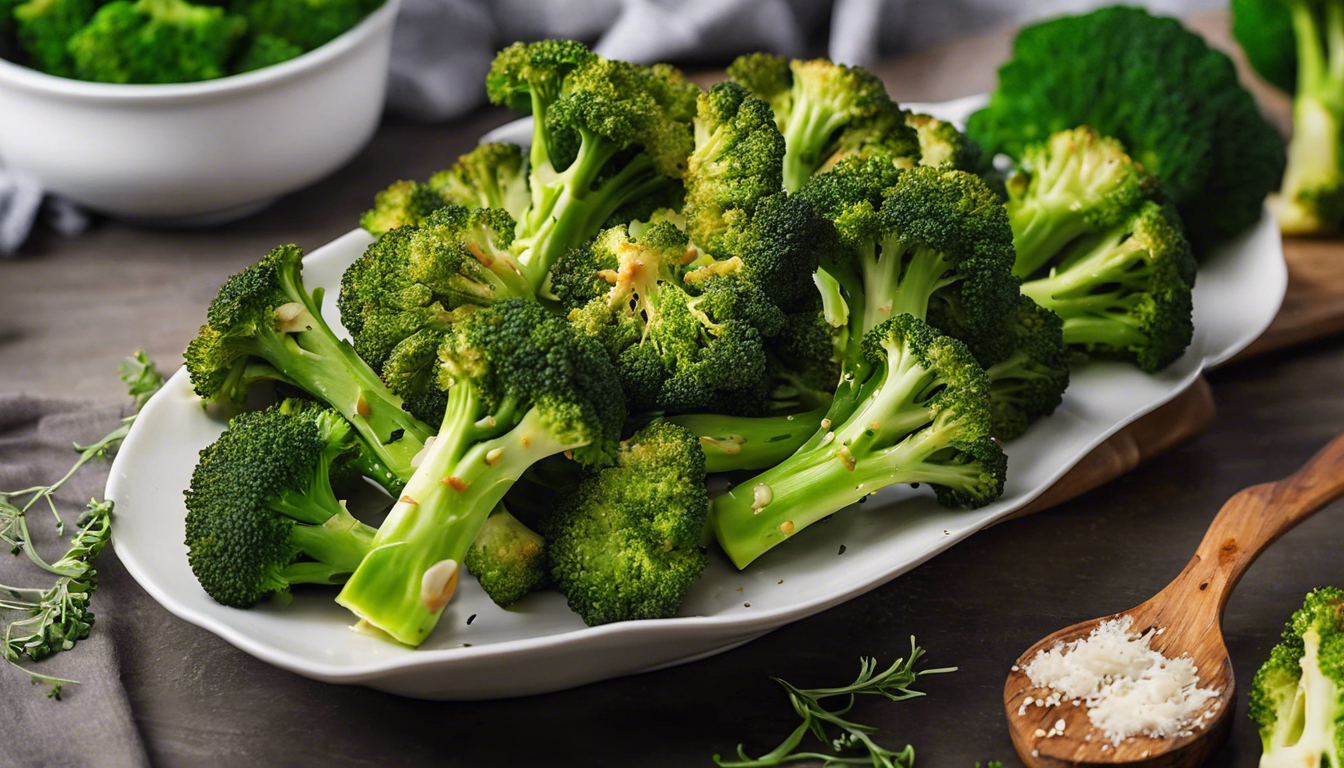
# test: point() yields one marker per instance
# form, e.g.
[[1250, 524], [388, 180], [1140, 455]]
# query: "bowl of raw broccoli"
[[188, 113]]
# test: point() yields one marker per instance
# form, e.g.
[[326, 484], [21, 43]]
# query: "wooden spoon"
[[1190, 611]]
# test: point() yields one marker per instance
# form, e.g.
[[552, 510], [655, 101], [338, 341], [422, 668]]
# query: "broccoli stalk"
[[920, 415], [1297, 697], [733, 443], [521, 385], [265, 324], [1311, 200]]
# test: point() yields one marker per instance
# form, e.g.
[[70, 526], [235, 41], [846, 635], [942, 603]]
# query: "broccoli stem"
[[810, 125], [1115, 330], [463, 475], [1312, 199], [735, 443], [318, 362], [570, 206], [925, 272], [1090, 317]]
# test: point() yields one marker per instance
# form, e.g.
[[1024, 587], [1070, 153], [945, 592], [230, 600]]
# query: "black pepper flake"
[[466, 645], [746, 605], [396, 435], [914, 485], [704, 550], [471, 618], [841, 552]]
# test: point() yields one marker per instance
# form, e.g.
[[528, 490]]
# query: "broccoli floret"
[[675, 349], [264, 51], [888, 130], [1297, 697], [44, 29], [624, 545], [928, 242], [403, 203], [605, 134], [1073, 183], [507, 558], [943, 146], [306, 23], [489, 176], [1125, 290], [261, 512], [156, 41], [737, 163], [264, 324], [1311, 199], [1030, 382], [1160, 90], [414, 275], [813, 102], [522, 385], [921, 414]]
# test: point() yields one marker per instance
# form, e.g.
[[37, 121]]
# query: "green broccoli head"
[[1126, 290], [306, 23], [489, 176], [156, 41], [526, 77], [1030, 382], [1073, 183], [929, 242], [888, 130], [44, 28], [1160, 90], [943, 146], [736, 164], [1297, 697], [675, 348], [263, 51], [1264, 28], [920, 414], [813, 102], [624, 545], [414, 275], [507, 558], [261, 513], [403, 203]]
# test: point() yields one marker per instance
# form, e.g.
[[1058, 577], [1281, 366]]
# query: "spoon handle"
[[1255, 517]]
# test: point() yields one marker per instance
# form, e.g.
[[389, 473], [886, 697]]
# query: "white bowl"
[[198, 153]]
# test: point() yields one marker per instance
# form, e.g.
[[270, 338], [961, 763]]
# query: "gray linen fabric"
[[92, 725]]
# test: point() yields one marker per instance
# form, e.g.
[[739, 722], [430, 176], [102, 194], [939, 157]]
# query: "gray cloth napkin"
[[92, 724]]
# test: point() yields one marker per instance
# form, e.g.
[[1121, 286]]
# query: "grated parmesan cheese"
[[1127, 687]]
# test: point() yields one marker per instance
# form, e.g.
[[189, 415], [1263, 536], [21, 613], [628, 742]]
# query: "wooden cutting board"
[[1313, 309]]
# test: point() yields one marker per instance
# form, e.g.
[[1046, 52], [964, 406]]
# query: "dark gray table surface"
[[71, 308]]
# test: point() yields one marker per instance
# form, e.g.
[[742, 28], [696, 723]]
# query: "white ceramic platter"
[[540, 645]]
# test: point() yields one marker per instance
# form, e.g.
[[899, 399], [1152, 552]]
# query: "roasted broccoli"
[[44, 28], [1159, 89], [489, 176], [264, 325], [414, 275], [1299, 46], [928, 242], [919, 413], [261, 512], [156, 41], [605, 134], [306, 23], [1297, 697], [1097, 248], [1030, 382], [507, 558], [625, 544], [521, 385]]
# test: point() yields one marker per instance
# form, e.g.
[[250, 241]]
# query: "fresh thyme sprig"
[[51, 620], [854, 745]]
